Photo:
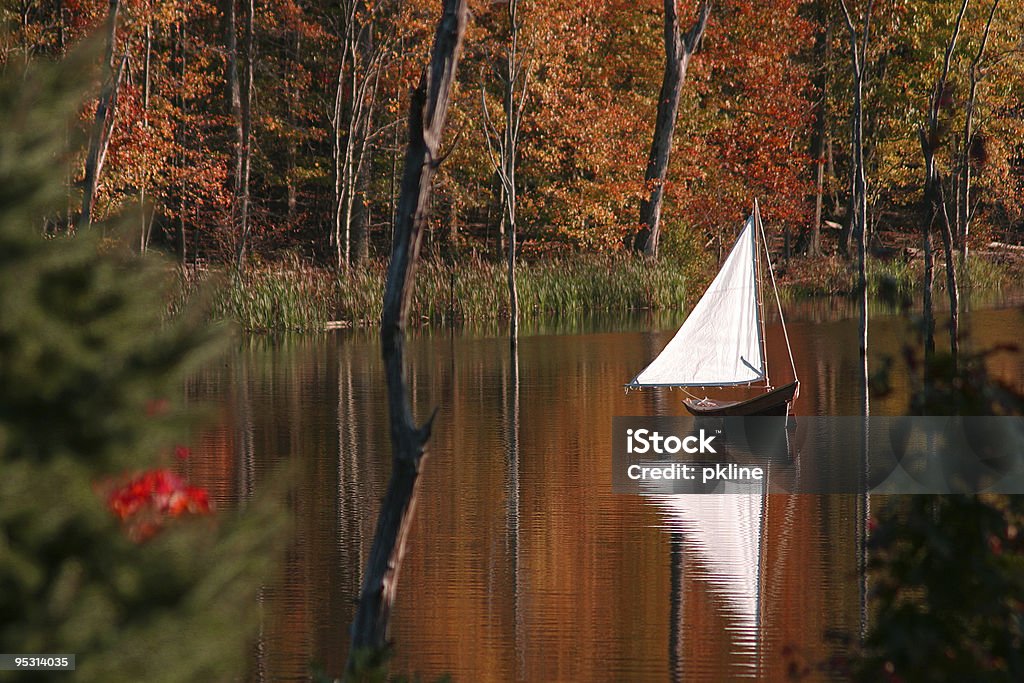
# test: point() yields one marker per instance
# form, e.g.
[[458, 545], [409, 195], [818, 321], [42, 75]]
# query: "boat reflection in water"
[[742, 561], [716, 544]]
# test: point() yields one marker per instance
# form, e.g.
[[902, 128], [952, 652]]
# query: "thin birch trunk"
[[99, 138], [148, 49], [503, 149], [822, 41], [359, 72], [858, 194], [245, 142], [180, 133], [935, 205], [965, 212]]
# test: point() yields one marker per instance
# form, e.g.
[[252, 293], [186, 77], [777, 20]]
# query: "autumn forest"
[[225, 132], [300, 165]]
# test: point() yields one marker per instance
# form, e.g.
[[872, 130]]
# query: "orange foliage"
[[595, 69]]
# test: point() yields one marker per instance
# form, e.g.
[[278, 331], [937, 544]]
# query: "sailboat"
[[722, 342]]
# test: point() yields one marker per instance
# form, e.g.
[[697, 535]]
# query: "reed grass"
[[898, 281], [295, 296], [292, 296]]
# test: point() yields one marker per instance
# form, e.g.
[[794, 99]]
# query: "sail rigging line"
[[778, 301], [759, 310]]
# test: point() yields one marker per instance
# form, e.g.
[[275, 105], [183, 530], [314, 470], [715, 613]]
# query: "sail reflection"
[[716, 541]]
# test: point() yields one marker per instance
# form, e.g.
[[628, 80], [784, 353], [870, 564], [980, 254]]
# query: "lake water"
[[522, 564]]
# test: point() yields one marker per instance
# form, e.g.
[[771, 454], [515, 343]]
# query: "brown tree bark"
[[678, 50], [428, 110]]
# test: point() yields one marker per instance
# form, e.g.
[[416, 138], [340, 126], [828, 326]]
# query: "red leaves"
[[146, 501]]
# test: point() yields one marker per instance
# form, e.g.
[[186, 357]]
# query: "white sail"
[[720, 342]]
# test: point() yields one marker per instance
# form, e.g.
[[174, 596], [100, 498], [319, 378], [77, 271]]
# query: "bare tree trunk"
[[952, 281], [234, 104], [359, 69], [858, 194], [678, 50], [821, 46], [291, 147], [105, 109], [361, 186], [934, 201], [965, 212], [245, 141], [503, 148], [814, 248], [180, 133], [928, 304], [428, 110], [148, 49], [513, 119], [363, 217], [833, 182]]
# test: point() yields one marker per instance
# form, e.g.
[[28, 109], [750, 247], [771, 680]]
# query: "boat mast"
[[778, 300], [758, 229]]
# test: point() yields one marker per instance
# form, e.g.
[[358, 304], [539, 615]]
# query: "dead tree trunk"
[[428, 110], [678, 50], [101, 127], [858, 190], [934, 201]]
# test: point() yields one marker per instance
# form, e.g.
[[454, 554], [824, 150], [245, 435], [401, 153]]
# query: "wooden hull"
[[774, 402]]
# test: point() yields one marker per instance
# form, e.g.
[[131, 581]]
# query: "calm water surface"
[[522, 563]]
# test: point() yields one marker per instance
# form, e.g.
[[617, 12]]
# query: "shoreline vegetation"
[[296, 296]]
